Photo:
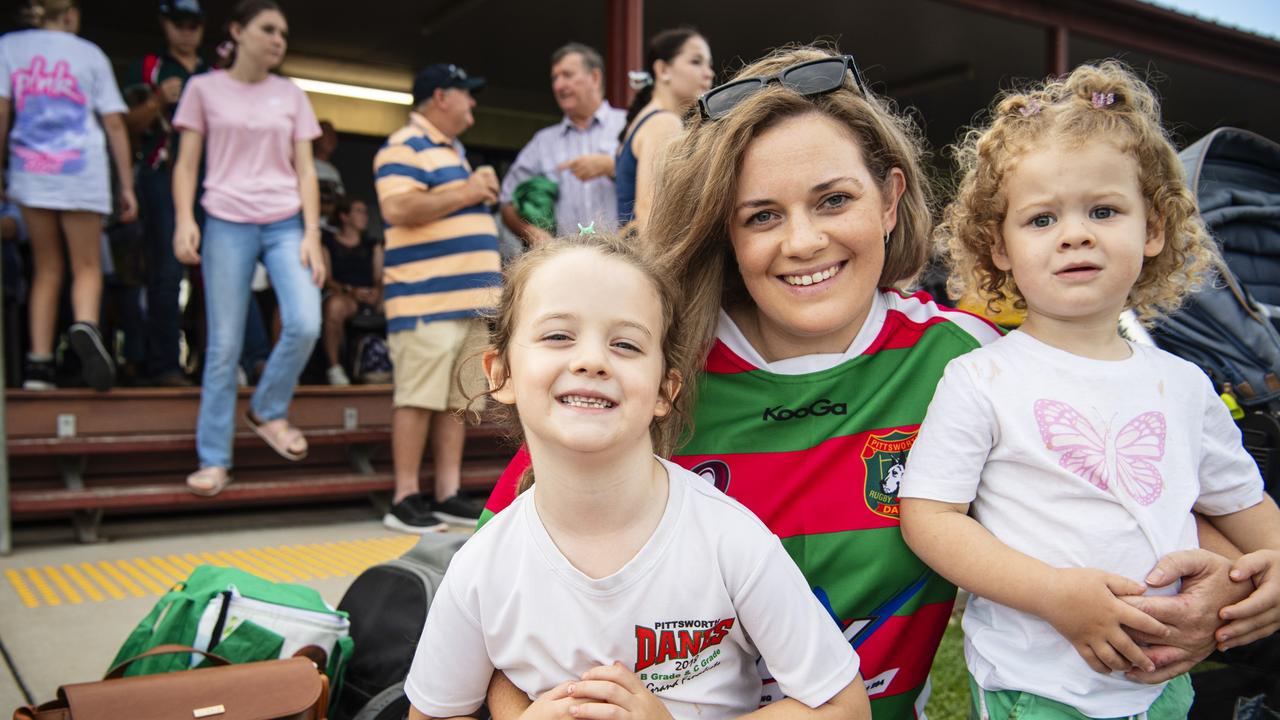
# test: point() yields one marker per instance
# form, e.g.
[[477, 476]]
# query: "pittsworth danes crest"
[[675, 651], [885, 457]]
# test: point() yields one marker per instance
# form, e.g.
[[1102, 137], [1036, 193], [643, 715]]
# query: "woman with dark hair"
[[61, 96], [355, 278], [262, 202], [679, 70]]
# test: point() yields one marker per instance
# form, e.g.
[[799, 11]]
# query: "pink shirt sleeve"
[[305, 126], [190, 113]]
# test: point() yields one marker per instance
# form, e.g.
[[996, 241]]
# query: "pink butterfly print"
[[1127, 459]]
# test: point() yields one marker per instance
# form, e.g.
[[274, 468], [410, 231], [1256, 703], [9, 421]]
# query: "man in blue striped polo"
[[441, 272]]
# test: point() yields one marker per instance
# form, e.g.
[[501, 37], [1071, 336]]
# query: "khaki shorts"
[[431, 360]]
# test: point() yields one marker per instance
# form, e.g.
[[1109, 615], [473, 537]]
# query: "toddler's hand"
[[1086, 610], [1258, 615], [553, 704], [615, 693]]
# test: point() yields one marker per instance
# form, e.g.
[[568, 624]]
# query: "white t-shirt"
[[710, 592], [1080, 463], [58, 84]]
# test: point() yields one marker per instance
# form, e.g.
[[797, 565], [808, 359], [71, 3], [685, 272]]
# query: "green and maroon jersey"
[[818, 457]]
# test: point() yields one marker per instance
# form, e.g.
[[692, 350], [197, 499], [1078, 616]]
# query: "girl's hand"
[[1258, 615], [186, 243], [128, 205], [1085, 609], [615, 693], [312, 256], [554, 704]]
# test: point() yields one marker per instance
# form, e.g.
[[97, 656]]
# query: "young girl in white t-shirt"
[[621, 582], [1057, 464]]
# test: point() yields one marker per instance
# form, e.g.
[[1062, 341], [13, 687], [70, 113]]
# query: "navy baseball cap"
[[442, 75], [181, 8]]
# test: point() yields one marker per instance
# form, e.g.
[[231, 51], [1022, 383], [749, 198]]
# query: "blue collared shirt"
[[579, 202]]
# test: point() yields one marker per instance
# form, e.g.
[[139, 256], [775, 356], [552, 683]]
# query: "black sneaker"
[[459, 510], [38, 375], [411, 516], [99, 371]]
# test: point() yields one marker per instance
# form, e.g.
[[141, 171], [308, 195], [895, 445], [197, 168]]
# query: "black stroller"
[[1230, 331]]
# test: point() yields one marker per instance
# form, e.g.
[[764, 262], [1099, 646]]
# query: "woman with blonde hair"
[[794, 206], [59, 96]]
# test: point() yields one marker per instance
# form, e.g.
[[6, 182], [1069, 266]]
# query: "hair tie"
[[587, 230], [1101, 100], [639, 79], [225, 48], [1032, 107]]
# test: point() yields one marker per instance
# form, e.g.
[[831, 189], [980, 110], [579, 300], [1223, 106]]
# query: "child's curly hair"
[[1105, 101]]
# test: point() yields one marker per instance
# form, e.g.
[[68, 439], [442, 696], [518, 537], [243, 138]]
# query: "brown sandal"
[[208, 481], [282, 441]]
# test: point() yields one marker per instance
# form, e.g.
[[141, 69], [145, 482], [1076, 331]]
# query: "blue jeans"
[[257, 340], [230, 250]]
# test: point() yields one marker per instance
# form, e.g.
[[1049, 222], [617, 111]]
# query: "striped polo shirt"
[[441, 270]]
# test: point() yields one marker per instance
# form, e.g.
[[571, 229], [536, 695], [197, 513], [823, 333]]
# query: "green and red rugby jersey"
[[817, 456]]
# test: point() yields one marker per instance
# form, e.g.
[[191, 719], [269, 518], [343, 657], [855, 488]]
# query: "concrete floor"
[[50, 645]]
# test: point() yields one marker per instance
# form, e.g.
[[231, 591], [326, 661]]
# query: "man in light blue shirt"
[[577, 153]]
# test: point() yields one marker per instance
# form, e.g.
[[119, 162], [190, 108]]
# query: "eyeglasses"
[[812, 77]]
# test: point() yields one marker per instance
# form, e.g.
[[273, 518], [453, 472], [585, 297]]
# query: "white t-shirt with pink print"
[[250, 130], [1083, 464], [58, 84]]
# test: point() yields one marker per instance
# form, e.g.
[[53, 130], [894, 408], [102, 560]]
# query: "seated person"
[[355, 278]]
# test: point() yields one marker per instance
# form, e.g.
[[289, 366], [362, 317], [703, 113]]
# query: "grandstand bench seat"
[[82, 453]]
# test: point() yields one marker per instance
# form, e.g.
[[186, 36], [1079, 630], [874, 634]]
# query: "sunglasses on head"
[[812, 77]]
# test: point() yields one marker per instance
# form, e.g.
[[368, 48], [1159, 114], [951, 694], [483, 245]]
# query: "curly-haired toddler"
[[1057, 464]]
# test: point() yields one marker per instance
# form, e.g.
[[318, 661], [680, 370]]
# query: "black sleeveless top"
[[351, 265]]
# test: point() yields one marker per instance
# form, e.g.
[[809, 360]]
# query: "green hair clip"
[[588, 230]]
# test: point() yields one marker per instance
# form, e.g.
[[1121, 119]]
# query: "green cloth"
[[1173, 704], [535, 201], [248, 642]]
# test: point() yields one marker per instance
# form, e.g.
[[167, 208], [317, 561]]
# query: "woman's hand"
[[613, 692], [186, 242], [1192, 614], [312, 256], [1258, 615], [128, 205], [1087, 610]]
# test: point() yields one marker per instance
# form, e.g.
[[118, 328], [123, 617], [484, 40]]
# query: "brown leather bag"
[[292, 689]]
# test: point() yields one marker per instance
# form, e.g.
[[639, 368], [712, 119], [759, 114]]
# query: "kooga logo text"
[[819, 407]]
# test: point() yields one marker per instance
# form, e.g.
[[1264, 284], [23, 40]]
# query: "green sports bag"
[[244, 618]]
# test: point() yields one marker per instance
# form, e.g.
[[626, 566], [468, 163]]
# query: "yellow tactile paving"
[[284, 560], [63, 586], [138, 576], [67, 584], [42, 587], [24, 593], [85, 586], [119, 577], [102, 581]]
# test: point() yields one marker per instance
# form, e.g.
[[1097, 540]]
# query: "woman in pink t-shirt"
[[262, 202]]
